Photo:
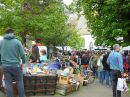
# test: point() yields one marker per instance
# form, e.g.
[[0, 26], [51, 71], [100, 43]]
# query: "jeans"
[[107, 74], [91, 68], [95, 71], [102, 74], [116, 74], [85, 72], [16, 72]]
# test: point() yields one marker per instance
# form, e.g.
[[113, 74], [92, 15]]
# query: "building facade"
[[83, 31]]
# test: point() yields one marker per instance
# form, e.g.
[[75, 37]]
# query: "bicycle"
[[89, 77]]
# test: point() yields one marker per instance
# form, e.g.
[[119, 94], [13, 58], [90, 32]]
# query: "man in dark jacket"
[[35, 52], [107, 69], [84, 62], [10, 49]]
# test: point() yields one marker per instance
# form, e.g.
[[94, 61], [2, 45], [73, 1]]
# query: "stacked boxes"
[[40, 84]]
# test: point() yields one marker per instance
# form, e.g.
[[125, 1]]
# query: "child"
[[44, 57]]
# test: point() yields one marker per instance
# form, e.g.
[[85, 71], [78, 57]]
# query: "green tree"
[[40, 20], [76, 42], [108, 20]]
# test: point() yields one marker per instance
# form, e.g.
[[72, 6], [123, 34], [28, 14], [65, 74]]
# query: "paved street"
[[92, 90]]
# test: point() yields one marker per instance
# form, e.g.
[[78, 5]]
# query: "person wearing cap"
[[115, 61], [35, 52], [10, 49]]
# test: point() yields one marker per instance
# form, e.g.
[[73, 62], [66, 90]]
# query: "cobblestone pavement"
[[95, 89]]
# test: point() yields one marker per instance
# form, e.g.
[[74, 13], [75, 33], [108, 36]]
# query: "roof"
[[81, 24]]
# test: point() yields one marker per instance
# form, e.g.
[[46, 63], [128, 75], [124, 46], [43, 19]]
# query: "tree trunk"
[[24, 37], [63, 48], [127, 38], [55, 51]]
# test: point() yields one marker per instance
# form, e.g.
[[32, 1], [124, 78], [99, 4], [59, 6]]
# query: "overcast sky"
[[67, 2]]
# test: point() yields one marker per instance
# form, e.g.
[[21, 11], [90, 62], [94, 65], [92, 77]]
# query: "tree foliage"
[[108, 20], [42, 20]]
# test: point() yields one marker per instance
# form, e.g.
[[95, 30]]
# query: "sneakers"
[[107, 86]]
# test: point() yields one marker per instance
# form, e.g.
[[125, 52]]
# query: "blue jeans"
[[16, 72], [95, 71], [92, 69], [109, 73], [102, 74], [85, 72]]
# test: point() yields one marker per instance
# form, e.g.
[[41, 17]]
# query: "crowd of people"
[[111, 65]]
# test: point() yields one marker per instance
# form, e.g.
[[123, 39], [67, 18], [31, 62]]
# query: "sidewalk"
[[95, 89]]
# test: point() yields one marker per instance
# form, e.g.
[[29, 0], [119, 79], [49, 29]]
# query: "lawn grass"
[[129, 87]]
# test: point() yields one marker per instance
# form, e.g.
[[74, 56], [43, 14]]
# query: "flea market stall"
[[49, 77]]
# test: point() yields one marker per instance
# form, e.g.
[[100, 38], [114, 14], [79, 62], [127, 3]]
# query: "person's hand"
[[22, 66], [37, 61]]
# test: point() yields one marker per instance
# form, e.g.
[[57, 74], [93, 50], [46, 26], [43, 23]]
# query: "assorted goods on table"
[[47, 78]]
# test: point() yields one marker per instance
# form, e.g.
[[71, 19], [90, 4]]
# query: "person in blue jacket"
[[115, 61]]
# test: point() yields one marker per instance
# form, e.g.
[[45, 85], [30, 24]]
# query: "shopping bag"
[[98, 63], [122, 85], [3, 81], [125, 86]]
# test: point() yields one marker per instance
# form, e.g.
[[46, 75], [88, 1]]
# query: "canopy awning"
[[126, 48]]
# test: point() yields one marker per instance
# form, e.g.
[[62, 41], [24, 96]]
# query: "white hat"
[[33, 42]]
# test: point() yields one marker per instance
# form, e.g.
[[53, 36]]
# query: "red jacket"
[[87, 55], [74, 57]]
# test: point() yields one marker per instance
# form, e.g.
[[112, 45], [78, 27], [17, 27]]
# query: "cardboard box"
[[60, 72], [79, 78], [65, 89], [64, 79]]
